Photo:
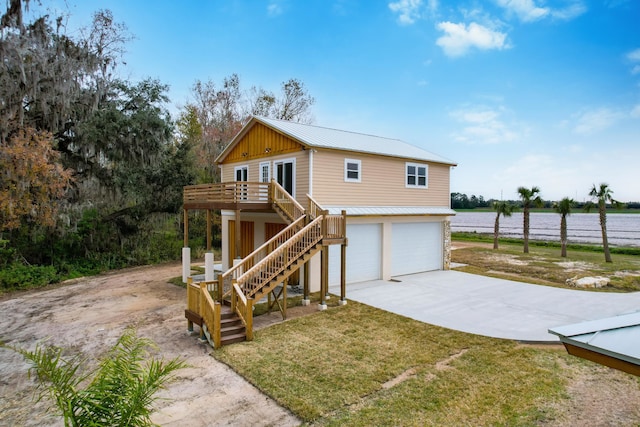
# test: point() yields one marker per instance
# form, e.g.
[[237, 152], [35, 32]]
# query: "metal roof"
[[389, 210], [322, 137], [617, 337]]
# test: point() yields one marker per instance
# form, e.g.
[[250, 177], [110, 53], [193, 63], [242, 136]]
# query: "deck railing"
[[335, 226], [193, 296], [227, 192]]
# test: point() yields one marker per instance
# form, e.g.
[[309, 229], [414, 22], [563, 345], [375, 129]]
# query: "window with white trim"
[[417, 175], [242, 173], [352, 170]]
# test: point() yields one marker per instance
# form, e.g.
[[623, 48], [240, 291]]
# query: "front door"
[[242, 175], [285, 175]]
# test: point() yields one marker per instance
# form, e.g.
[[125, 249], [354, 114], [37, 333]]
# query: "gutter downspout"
[[311, 172]]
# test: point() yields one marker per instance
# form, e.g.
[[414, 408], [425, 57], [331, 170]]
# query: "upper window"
[[352, 170], [417, 175], [242, 173]]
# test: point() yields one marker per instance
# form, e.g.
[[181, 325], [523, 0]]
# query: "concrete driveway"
[[487, 306]]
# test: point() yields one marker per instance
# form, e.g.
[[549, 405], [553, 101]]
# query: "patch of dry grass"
[[544, 265]]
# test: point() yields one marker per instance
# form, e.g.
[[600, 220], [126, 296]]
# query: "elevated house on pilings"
[[317, 207]]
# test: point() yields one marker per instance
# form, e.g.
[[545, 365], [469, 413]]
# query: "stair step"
[[229, 322], [231, 339], [232, 330]]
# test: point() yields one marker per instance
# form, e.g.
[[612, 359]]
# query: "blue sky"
[[517, 92]]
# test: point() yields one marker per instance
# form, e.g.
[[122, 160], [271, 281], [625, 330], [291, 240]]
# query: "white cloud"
[[274, 9], [529, 11], [572, 11], [635, 70], [460, 38], [526, 10], [408, 10], [592, 121], [634, 55], [482, 125], [635, 112]]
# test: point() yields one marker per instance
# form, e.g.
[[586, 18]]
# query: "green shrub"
[[20, 276]]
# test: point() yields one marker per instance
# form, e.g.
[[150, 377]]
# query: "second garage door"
[[364, 254], [416, 247]]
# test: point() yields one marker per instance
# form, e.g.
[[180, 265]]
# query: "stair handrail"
[[210, 311], [224, 279], [287, 204], [314, 209], [243, 307], [282, 257]]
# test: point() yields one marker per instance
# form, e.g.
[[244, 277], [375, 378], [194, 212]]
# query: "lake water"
[[622, 229]]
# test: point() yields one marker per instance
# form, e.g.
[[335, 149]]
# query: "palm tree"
[[502, 208], [119, 392], [529, 198], [602, 196], [563, 207]]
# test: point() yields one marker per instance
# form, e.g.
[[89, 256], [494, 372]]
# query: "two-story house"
[[393, 199]]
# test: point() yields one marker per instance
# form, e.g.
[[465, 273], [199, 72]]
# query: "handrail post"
[[323, 228], [343, 224], [220, 288], [249, 319], [217, 333], [234, 297]]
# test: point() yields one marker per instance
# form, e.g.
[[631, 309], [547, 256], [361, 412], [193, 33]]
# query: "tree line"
[[92, 166], [600, 196], [463, 201]]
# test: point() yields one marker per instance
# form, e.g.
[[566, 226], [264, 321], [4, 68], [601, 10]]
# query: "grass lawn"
[[358, 365]]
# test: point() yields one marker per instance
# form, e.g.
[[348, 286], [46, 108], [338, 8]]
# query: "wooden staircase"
[[260, 272]]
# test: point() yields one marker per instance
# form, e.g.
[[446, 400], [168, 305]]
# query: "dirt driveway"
[[91, 314]]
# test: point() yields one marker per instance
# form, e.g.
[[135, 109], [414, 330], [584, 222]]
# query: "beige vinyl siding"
[[382, 182], [302, 171]]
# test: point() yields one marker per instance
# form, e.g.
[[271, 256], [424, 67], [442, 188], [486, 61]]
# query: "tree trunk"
[[563, 236], [603, 226], [496, 231], [525, 230]]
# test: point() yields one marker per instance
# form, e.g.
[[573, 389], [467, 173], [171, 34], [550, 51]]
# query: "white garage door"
[[416, 247], [364, 254]]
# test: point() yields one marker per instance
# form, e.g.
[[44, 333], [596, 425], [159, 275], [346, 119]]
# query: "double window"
[[416, 175], [352, 170]]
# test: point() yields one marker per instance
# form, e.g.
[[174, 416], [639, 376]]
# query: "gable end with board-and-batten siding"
[[261, 141]]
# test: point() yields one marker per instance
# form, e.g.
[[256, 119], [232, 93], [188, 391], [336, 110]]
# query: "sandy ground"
[[91, 314]]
